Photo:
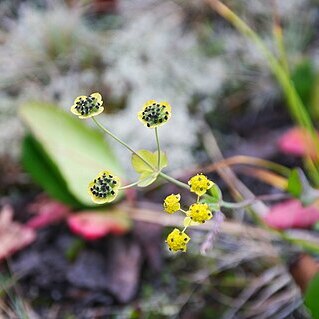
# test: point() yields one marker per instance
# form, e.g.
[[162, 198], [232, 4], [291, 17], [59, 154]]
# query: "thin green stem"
[[121, 142], [184, 211], [250, 201], [158, 149], [173, 180], [183, 231], [129, 185]]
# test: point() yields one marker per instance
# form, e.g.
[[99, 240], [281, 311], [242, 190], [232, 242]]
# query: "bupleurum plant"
[[105, 187]]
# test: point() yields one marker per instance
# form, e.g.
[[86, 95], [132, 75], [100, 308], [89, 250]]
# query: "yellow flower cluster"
[[199, 184], [197, 213], [177, 240], [171, 203]]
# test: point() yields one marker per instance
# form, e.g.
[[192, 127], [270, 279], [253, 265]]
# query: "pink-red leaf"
[[297, 141], [93, 225], [13, 236], [291, 214], [47, 212]]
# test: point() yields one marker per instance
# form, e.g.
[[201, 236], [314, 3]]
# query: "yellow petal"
[[97, 96], [99, 111]]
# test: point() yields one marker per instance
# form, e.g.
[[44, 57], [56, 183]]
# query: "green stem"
[[129, 185], [158, 149], [121, 142], [183, 231], [250, 201], [183, 211], [173, 180]]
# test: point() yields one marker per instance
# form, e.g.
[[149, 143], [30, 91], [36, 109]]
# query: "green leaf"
[[303, 77], [311, 296], [147, 174], [300, 187], [78, 152], [294, 183], [147, 178], [44, 171], [141, 167], [215, 194]]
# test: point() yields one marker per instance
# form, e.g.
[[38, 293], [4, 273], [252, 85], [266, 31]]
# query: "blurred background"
[[226, 102]]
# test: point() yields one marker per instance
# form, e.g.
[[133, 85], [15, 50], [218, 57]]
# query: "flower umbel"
[[154, 113], [104, 188], [87, 106], [177, 240], [199, 213], [171, 203], [199, 184]]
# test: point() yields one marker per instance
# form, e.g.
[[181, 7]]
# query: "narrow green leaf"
[[311, 297], [294, 184], [300, 187]]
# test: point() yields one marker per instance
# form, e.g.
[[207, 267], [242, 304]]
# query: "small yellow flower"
[[154, 114], [199, 213], [199, 184], [171, 203], [104, 188], [87, 106], [177, 240]]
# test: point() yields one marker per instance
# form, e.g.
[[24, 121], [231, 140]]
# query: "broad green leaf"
[[141, 167], [311, 297], [78, 151], [147, 178], [45, 172]]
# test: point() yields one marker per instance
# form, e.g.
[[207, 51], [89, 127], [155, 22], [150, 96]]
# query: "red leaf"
[[48, 212], [93, 225], [291, 214], [13, 236], [297, 141]]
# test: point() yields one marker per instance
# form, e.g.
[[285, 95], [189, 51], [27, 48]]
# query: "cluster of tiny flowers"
[[104, 188], [177, 240], [197, 213], [199, 184], [172, 204], [87, 106], [154, 114]]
